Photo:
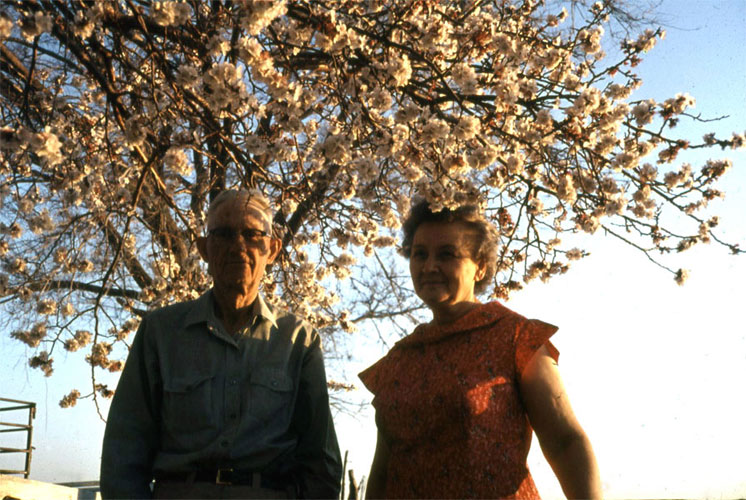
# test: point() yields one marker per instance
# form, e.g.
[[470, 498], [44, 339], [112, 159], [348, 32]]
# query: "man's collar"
[[202, 310], [261, 309]]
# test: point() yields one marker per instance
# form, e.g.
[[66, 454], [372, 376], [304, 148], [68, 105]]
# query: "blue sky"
[[654, 370]]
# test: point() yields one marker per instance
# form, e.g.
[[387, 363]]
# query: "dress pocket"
[[270, 393], [485, 394], [187, 403]]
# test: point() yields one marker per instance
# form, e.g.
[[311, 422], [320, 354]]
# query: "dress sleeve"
[[530, 336], [371, 376]]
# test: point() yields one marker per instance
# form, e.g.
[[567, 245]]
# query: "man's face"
[[237, 248]]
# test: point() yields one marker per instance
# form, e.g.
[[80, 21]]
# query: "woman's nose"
[[429, 264]]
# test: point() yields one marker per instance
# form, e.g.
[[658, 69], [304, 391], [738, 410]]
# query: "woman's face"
[[442, 266]]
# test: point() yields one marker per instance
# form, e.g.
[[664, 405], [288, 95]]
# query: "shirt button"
[[274, 383], [234, 381]]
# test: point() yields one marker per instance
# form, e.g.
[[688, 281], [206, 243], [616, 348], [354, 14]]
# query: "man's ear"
[[202, 247], [275, 245]]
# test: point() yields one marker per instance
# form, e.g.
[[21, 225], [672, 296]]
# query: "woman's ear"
[[481, 270]]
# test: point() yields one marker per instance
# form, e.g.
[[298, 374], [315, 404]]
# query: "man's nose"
[[238, 242]]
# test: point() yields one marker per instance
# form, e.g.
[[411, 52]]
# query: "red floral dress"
[[447, 403]]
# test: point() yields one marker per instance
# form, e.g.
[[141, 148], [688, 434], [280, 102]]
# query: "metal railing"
[[16, 427]]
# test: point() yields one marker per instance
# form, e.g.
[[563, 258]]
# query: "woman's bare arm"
[[376, 485], [562, 439]]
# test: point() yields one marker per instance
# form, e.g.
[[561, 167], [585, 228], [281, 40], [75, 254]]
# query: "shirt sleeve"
[[530, 336], [131, 435], [317, 454]]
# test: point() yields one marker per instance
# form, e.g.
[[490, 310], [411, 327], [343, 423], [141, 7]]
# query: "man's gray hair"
[[255, 199]]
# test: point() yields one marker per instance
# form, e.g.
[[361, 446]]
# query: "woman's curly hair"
[[485, 242]]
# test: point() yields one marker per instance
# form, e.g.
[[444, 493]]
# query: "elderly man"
[[224, 396]]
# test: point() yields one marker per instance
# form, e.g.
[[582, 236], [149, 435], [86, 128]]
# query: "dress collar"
[[478, 318]]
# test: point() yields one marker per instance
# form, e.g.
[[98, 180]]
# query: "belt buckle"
[[219, 479]]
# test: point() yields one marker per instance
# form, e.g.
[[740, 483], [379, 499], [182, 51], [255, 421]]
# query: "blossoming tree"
[[121, 119]]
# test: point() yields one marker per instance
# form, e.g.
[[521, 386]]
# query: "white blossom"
[[224, 87], [47, 146], [408, 113], [17, 266], [250, 49], [187, 76], [682, 177], [590, 224], [258, 14], [6, 27], [679, 104], [67, 309], [467, 127], [400, 70], [645, 41], [168, 13], [482, 157], [566, 190], [590, 39], [380, 99], [336, 148], [85, 266], [135, 132], [41, 223], [34, 26], [456, 164], [434, 130], [515, 163], [574, 254], [465, 77], [644, 112], [217, 46], [681, 276], [46, 307], [535, 206], [176, 160]]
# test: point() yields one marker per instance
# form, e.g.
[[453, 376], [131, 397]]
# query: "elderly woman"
[[457, 399]]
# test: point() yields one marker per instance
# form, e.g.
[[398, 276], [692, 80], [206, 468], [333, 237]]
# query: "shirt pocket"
[[188, 403], [270, 393]]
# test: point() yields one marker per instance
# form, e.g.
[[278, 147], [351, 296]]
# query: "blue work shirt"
[[193, 397]]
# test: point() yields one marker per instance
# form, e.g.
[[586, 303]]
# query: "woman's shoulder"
[[499, 309], [491, 315]]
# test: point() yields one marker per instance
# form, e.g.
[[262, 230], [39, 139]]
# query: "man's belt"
[[227, 476]]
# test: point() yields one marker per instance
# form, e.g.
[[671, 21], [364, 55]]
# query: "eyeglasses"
[[249, 234]]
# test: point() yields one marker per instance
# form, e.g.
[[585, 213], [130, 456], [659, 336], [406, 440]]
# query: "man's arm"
[[131, 435], [317, 452]]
